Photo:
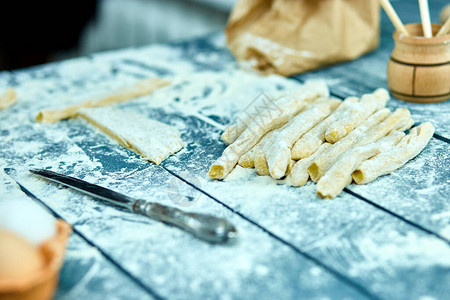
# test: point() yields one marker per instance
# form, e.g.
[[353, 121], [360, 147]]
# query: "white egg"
[[27, 218]]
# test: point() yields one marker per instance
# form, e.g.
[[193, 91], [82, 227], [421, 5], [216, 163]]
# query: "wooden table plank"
[[345, 233], [166, 260], [85, 270], [358, 249], [175, 264]]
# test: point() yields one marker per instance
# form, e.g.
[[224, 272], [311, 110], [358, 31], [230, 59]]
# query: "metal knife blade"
[[206, 227]]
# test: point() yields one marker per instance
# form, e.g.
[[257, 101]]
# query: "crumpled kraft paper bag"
[[293, 36]]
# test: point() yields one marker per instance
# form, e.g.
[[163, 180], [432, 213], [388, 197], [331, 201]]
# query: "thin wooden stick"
[[425, 16], [393, 16], [445, 28]]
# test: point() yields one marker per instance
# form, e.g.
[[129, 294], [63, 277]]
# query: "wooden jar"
[[419, 67]]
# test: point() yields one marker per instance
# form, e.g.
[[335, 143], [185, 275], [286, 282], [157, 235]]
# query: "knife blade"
[[206, 227]]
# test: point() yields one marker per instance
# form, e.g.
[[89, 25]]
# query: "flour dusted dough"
[[279, 154], [141, 88], [318, 168], [299, 173], [268, 120], [311, 141], [153, 140], [340, 174], [359, 112], [243, 120], [8, 98], [393, 158], [247, 160]]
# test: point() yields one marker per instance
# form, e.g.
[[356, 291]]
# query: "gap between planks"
[[382, 208], [360, 288], [341, 277]]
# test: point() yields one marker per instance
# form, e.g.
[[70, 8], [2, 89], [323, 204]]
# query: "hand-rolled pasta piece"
[[141, 88], [299, 173], [340, 174], [311, 141], [247, 160], [244, 119], [391, 159], [261, 167], [8, 98], [279, 154], [272, 118], [233, 131], [260, 161], [321, 164], [359, 113], [400, 120]]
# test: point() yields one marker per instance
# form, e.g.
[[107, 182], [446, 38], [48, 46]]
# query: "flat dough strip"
[[8, 98], [358, 114], [270, 119], [321, 164], [279, 154], [141, 88], [390, 160], [340, 174], [299, 173], [153, 140], [311, 141]]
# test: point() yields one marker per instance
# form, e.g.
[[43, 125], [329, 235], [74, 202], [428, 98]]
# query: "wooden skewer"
[[445, 28], [393, 16], [425, 16]]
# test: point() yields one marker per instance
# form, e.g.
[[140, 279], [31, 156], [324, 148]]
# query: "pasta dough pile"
[[306, 135]]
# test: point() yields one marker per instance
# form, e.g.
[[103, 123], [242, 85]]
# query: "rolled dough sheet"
[[153, 140]]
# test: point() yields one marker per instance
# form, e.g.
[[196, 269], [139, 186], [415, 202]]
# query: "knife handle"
[[206, 227]]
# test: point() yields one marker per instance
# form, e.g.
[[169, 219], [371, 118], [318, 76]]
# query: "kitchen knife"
[[206, 227]]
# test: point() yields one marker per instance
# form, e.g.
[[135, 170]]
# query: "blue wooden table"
[[389, 239]]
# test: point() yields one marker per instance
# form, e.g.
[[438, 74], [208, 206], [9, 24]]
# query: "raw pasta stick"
[[246, 117], [279, 154], [8, 98], [321, 164], [153, 140], [397, 120], [272, 118], [260, 158], [261, 167], [391, 159], [340, 174], [311, 141], [299, 173], [242, 121], [400, 119], [247, 160], [359, 113], [260, 161], [290, 166], [139, 89]]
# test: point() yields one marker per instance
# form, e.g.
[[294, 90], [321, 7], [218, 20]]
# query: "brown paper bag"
[[294, 36]]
